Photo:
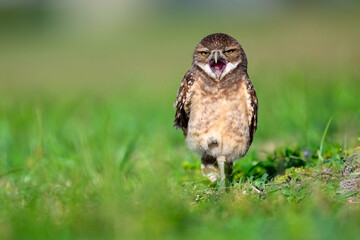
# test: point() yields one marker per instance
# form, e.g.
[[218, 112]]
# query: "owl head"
[[218, 55]]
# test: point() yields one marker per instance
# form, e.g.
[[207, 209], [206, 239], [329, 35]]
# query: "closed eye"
[[229, 51]]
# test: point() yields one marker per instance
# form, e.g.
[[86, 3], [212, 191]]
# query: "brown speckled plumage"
[[216, 105]]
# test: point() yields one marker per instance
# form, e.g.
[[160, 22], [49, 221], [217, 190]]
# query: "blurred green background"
[[303, 55], [86, 91]]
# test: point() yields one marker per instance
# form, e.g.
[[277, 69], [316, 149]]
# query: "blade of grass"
[[320, 152]]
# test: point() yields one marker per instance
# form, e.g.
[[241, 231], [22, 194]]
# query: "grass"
[[98, 168], [88, 151], [322, 141]]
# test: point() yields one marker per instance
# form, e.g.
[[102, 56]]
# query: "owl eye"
[[204, 53], [229, 51]]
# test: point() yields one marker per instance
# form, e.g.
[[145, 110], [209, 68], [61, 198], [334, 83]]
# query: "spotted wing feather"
[[252, 108], [182, 102]]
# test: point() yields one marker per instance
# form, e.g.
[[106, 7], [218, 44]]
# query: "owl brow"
[[230, 49], [204, 50]]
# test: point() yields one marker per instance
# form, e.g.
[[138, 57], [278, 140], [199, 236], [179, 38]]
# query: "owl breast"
[[218, 123]]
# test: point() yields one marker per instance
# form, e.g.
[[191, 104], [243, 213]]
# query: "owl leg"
[[221, 163], [229, 168], [209, 168]]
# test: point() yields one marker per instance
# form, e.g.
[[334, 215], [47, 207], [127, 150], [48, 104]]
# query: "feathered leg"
[[221, 163]]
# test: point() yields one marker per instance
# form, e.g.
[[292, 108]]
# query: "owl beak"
[[216, 55]]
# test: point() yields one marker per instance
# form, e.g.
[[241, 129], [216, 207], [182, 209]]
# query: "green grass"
[[88, 151], [98, 168]]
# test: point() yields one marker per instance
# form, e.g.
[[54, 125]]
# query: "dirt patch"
[[350, 185]]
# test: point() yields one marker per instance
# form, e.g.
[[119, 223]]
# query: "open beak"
[[217, 64]]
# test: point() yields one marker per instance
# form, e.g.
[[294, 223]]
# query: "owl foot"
[[211, 172], [209, 168]]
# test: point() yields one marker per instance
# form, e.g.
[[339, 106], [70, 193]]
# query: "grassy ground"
[[88, 151]]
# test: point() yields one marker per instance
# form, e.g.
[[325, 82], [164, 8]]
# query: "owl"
[[216, 105]]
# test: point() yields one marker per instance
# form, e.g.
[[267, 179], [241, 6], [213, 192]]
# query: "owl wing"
[[252, 108], [182, 102]]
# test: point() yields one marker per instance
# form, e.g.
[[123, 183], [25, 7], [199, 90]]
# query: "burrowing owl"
[[216, 105]]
